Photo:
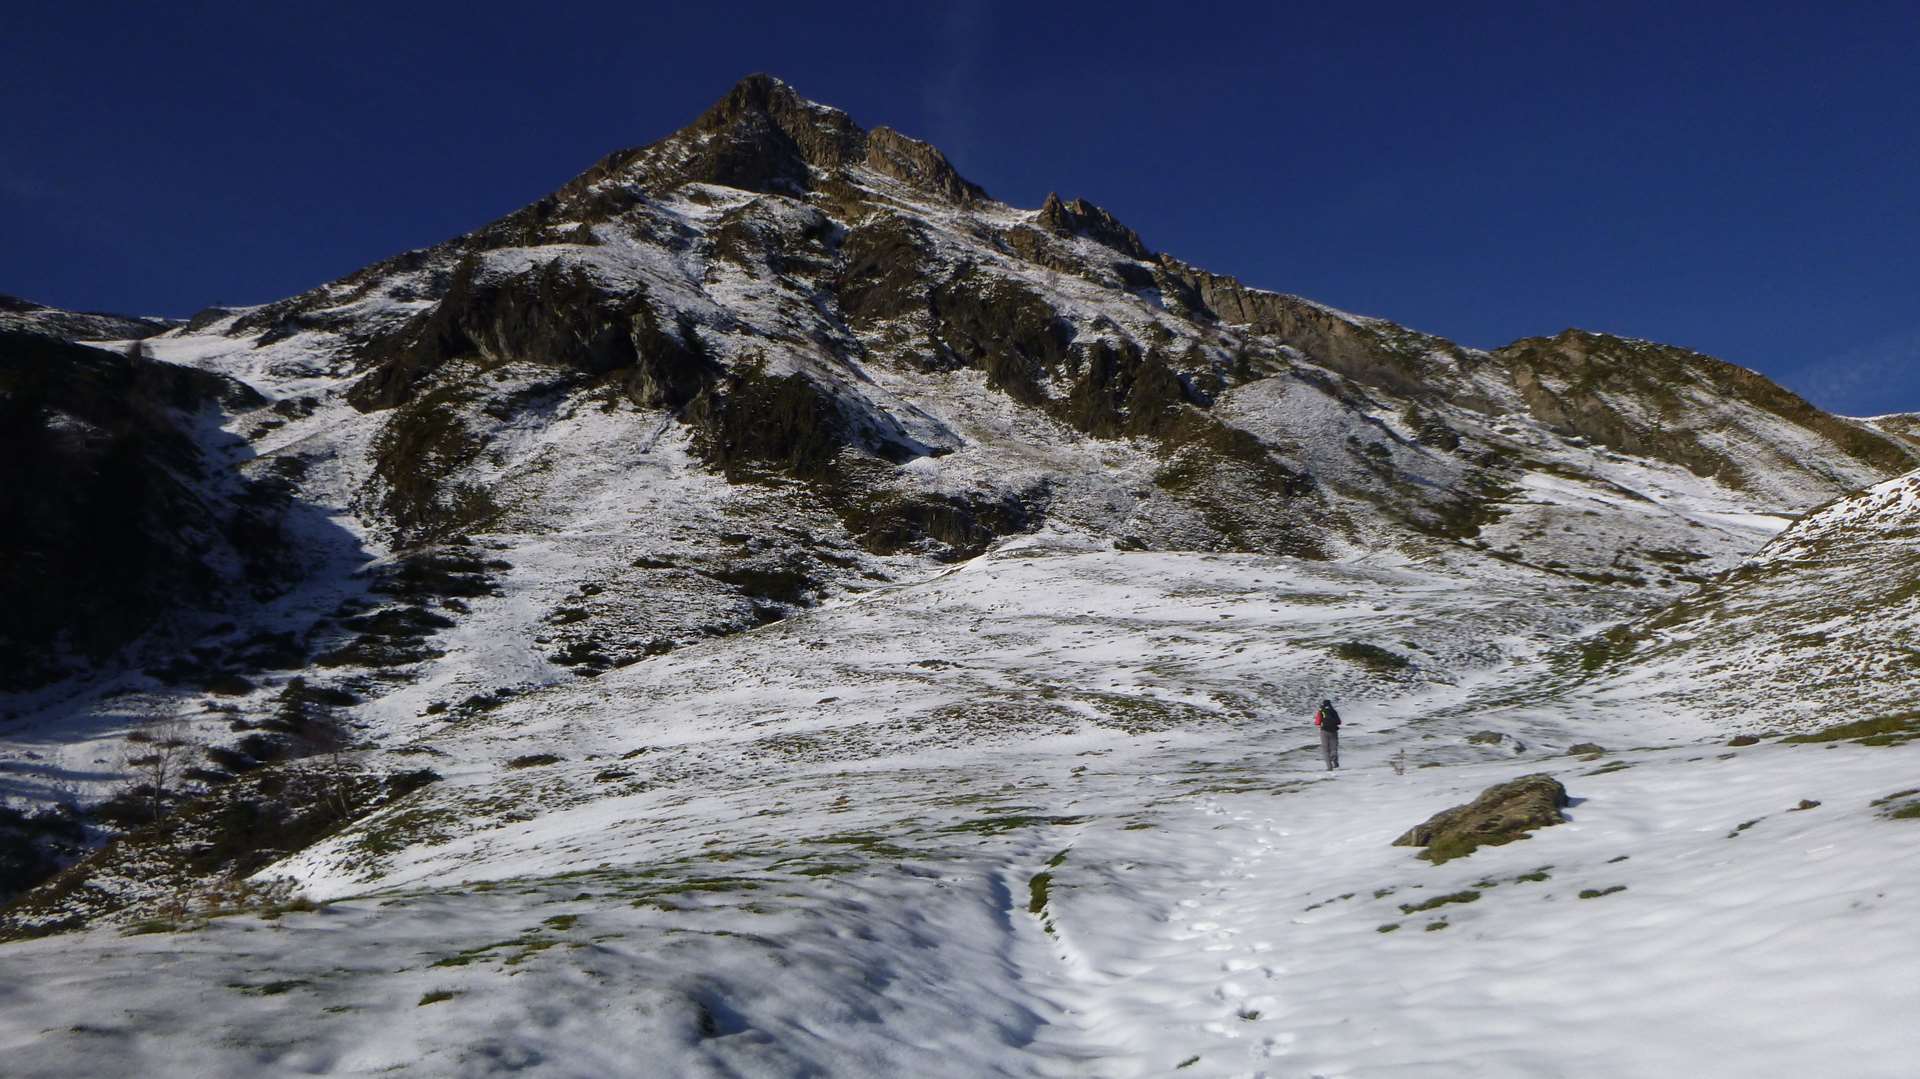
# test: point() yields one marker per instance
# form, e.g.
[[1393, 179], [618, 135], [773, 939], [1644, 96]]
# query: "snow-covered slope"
[[1818, 628], [1054, 813]]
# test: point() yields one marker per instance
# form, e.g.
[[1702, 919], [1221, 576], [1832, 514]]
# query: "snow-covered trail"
[[1248, 933]]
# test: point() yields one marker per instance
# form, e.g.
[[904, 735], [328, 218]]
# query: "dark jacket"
[[1327, 718]]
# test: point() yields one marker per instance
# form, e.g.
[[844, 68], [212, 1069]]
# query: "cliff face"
[[112, 512]]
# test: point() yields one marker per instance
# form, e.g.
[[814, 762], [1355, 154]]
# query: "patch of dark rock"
[[233, 760], [207, 777], [584, 656], [306, 715], [228, 832], [485, 701], [104, 529], [1501, 814], [34, 846], [1494, 738], [445, 572], [1002, 328], [227, 685], [754, 427], [272, 652], [1586, 749], [950, 526], [533, 760], [399, 622], [790, 581], [1596, 893], [385, 648], [1373, 657]]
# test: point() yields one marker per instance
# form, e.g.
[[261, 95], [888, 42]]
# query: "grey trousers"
[[1330, 747]]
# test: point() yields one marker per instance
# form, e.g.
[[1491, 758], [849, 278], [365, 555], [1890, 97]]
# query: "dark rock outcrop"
[[762, 136], [1372, 353], [1501, 814], [1083, 218], [1601, 387], [103, 527]]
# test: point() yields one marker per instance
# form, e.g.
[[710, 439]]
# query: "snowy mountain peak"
[[763, 136]]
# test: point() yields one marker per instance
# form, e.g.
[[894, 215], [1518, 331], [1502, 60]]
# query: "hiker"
[[1328, 720]]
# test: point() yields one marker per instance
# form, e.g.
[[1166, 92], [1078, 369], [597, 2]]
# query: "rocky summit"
[[769, 607]]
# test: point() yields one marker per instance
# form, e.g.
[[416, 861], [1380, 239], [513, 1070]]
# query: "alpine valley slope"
[[768, 608]]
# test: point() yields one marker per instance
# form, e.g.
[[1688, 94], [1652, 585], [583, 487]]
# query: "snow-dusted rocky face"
[[769, 608]]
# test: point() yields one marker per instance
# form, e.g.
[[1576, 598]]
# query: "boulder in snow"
[[1503, 813]]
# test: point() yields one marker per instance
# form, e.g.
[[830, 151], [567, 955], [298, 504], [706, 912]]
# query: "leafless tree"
[[157, 757]]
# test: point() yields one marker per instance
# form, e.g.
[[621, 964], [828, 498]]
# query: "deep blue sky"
[[1739, 182]]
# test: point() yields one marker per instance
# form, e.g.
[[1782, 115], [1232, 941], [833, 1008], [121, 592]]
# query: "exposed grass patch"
[[1607, 648], [152, 925], [1467, 896], [529, 947], [1010, 822], [1038, 892], [827, 869], [1900, 805], [269, 989], [1596, 893], [1885, 731], [435, 997], [464, 958]]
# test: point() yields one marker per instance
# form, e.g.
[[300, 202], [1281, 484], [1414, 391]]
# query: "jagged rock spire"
[[1083, 218], [764, 136]]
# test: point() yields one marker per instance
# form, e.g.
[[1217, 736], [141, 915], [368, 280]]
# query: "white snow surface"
[[818, 849]]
